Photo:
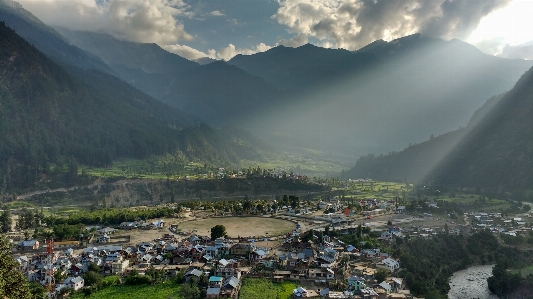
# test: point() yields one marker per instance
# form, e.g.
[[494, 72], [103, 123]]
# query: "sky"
[[221, 29]]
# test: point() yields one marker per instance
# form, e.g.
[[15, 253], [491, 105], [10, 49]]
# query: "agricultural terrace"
[[240, 226]]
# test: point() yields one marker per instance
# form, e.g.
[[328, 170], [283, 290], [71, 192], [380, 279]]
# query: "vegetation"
[[110, 216], [59, 121], [492, 145], [502, 281], [143, 291], [254, 288], [218, 231], [428, 264], [13, 284]]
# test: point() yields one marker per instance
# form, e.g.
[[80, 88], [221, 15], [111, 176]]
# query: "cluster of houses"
[[224, 262], [498, 224]]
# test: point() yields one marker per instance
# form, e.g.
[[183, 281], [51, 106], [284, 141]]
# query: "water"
[[471, 283]]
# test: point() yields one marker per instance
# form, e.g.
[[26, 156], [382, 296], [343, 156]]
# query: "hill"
[[46, 39], [495, 151], [52, 120], [217, 92], [385, 95]]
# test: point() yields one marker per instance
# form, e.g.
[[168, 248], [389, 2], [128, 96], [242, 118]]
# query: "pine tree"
[[5, 221], [13, 284]]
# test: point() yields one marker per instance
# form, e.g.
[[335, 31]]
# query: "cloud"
[[230, 51], [188, 52], [491, 46], [524, 51], [352, 24], [216, 13], [295, 41], [147, 21]]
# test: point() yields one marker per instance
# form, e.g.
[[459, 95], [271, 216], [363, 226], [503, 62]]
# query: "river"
[[471, 283]]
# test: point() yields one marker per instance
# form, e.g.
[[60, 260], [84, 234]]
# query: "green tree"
[[13, 284], [381, 275], [190, 291], [92, 278], [5, 221], [218, 231]]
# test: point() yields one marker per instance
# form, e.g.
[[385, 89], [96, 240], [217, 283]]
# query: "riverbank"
[[471, 283]]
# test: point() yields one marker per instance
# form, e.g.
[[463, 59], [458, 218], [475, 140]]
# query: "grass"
[[158, 291], [525, 272], [259, 288]]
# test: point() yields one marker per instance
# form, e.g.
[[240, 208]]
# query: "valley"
[[133, 165]]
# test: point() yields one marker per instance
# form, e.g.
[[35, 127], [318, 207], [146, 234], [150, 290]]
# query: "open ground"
[[240, 226]]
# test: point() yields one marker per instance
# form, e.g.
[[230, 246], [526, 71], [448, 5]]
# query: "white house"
[[75, 283], [389, 264]]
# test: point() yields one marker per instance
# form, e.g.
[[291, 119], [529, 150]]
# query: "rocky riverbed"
[[471, 283]]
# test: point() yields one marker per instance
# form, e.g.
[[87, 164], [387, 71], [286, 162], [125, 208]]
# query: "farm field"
[[259, 288], [165, 290], [240, 226]]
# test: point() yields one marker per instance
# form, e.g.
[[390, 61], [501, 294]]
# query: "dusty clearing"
[[240, 226]]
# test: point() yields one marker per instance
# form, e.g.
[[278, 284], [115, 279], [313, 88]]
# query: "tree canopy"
[[13, 284]]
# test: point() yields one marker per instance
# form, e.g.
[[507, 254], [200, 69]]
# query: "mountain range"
[[56, 113], [93, 98]]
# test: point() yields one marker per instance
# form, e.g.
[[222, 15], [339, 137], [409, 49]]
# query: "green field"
[[158, 291], [260, 288]]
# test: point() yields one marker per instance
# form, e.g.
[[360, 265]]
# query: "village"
[[320, 265]]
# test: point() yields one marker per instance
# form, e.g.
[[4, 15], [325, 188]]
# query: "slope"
[[383, 96], [46, 39], [217, 92], [416, 162], [47, 116], [498, 152], [495, 151]]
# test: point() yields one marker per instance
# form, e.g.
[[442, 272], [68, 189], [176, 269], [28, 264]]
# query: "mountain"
[[495, 151], [217, 92], [303, 67], [147, 57], [50, 116], [46, 39], [382, 97]]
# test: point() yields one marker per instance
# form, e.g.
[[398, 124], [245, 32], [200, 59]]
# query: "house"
[[242, 249], [103, 239], [258, 254], [23, 262], [119, 267], [212, 292], [75, 283], [215, 281], [159, 223], [387, 287], [389, 264], [321, 273], [194, 273], [107, 231], [369, 294], [300, 292], [128, 225], [29, 245], [230, 288], [356, 283]]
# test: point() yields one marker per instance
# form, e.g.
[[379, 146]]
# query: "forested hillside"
[[218, 93], [50, 118], [494, 151], [46, 39]]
